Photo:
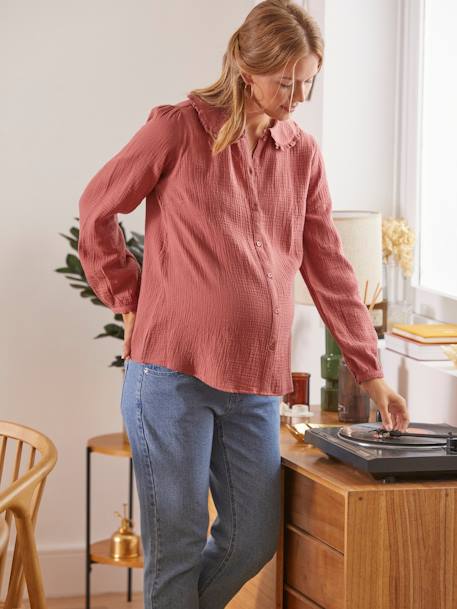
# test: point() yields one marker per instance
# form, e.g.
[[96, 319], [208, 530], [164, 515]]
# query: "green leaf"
[[73, 242], [86, 293], [96, 301], [117, 363], [74, 231], [74, 264], [114, 330], [136, 249], [63, 269], [104, 335], [138, 237]]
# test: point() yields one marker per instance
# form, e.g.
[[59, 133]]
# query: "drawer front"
[[293, 601], [314, 508], [314, 569]]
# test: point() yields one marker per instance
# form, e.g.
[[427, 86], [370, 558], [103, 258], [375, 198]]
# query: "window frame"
[[426, 302]]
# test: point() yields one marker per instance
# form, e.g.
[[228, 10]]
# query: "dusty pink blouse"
[[224, 238]]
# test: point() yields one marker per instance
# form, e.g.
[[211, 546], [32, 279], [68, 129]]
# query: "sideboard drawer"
[[313, 568], [315, 508]]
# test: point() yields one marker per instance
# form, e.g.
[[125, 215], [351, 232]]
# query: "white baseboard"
[[64, 571]]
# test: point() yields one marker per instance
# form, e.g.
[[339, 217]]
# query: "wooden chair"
[[21, 498], [4, 534]]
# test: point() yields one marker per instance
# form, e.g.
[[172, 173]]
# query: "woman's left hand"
[[129, 322], [390, 404]]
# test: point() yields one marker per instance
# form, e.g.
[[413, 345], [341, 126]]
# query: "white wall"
[[79, 79], [355, 127]]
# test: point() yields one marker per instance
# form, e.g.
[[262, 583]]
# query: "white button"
[[270, 274], [276, 310], [272, 346], [258, 243]]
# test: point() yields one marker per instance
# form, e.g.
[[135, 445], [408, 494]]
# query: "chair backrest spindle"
[[3, 444]]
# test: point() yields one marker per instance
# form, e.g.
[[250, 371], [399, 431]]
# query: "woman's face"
[[279, 93]]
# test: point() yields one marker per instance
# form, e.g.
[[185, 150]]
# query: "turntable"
[[424, 450]]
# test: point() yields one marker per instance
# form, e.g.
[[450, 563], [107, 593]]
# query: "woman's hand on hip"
[[129, 322]]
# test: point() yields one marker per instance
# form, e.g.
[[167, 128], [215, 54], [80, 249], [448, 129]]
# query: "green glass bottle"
[[330, 364]]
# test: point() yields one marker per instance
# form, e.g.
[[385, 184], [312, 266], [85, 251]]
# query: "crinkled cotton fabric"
[[225, 236]]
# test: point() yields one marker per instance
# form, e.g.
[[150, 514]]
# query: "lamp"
[[361, 236]]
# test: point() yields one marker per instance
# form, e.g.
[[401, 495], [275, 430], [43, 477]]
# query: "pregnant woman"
[[237, 204]]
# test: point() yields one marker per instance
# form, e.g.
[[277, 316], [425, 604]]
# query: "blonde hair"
[[273, 32]]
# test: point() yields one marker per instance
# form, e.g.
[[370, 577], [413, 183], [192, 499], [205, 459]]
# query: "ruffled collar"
[[284, 133]]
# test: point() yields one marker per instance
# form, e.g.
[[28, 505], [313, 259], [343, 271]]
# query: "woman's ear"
[[247, 78]]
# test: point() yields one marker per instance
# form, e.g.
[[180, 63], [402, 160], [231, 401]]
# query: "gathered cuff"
[[127, 308]]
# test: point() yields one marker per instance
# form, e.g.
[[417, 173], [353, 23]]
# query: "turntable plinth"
[[349, 541]]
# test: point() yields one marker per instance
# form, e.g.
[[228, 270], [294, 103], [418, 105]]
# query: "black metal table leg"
[[129, 570], [88, 560]]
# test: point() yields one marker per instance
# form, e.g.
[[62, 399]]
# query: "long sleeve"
[[119, 187], [331, 280]]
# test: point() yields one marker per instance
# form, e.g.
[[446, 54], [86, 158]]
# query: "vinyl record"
[[370, 434]]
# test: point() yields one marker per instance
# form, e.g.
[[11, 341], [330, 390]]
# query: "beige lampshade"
[[361, 236]]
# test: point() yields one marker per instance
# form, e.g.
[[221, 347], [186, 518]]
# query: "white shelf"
[[444, 366]]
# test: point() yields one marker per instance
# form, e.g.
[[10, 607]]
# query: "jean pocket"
[[161, 370]]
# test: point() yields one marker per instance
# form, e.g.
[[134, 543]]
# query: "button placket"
[[262, 252]]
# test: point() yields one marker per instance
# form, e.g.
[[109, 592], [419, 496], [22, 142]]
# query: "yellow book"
[[427, 333]]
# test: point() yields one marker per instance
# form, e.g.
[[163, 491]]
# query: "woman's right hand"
[[129, 322]]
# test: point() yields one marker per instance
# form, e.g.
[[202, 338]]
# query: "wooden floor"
[[101, 601], [257, 593]]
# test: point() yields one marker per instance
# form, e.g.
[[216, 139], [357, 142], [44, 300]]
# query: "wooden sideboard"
[[349, 541]]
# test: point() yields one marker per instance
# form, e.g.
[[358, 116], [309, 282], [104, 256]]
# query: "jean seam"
[[154, 495], [233, 399], [123, 383], [232, 505]]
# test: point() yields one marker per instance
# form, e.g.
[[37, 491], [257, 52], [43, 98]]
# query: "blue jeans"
[[186, 438]]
